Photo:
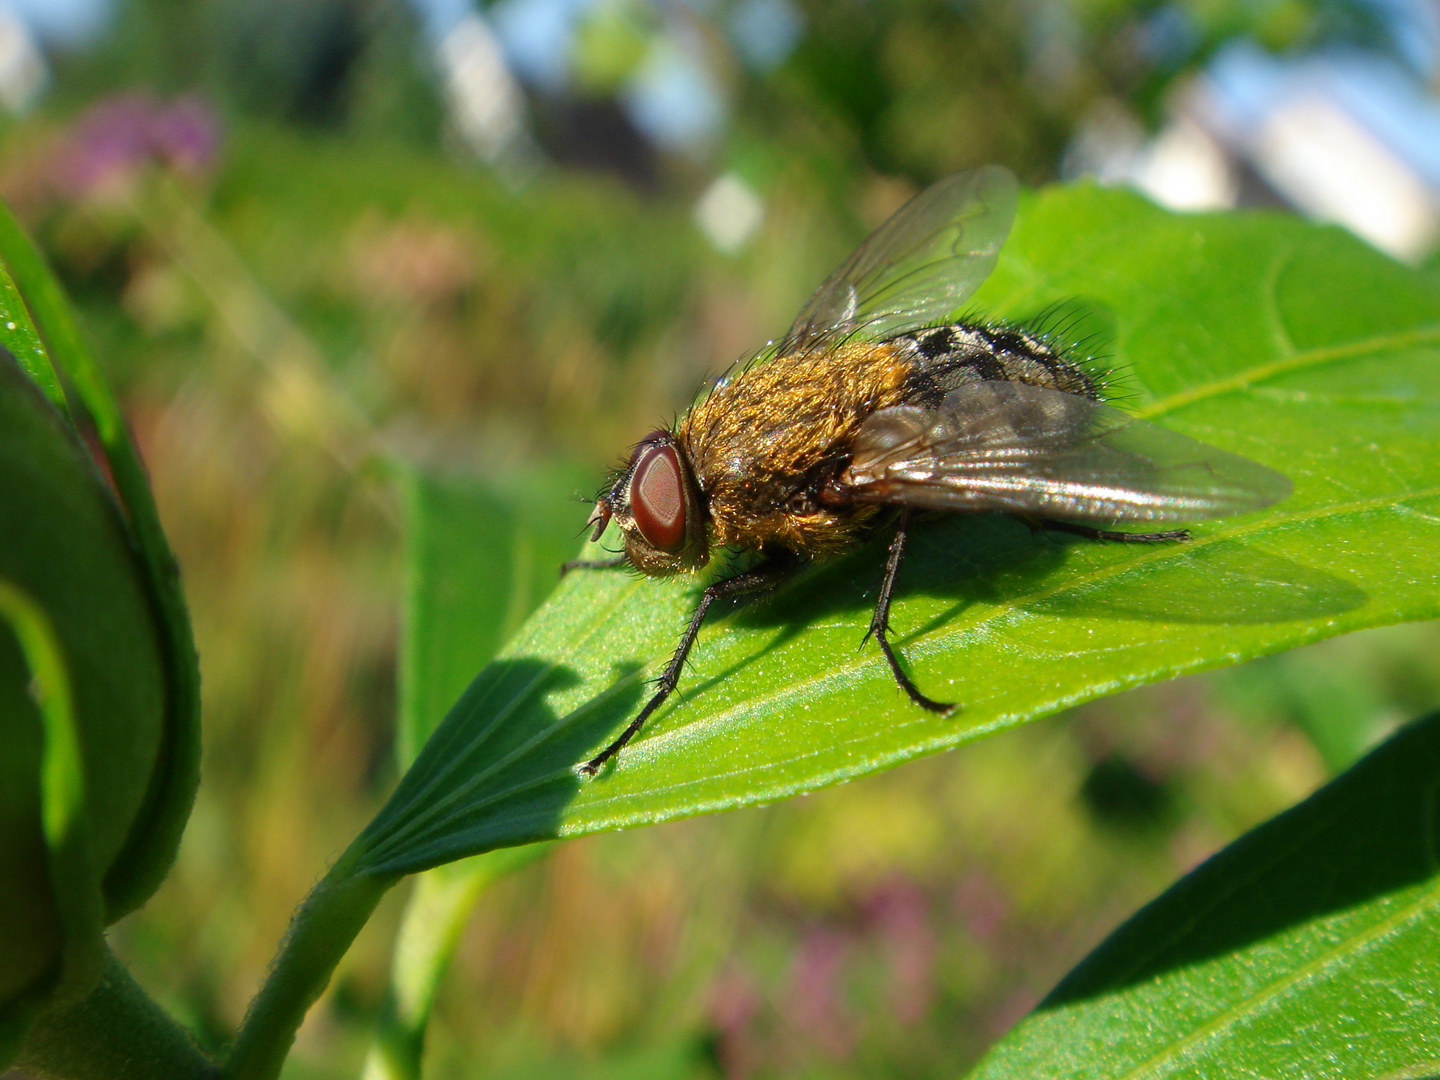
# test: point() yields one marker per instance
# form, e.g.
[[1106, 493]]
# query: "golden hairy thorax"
[[757, 440]]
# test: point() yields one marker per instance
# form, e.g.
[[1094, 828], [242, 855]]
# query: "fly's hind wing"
[[1039, 452], [919, 266]]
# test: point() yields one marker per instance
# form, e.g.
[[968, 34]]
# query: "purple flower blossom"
[[898, 912], [815, 1002], [115, 139], [186, 134]]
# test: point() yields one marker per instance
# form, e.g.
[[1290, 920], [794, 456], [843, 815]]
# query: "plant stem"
[[116, 1032], [435, 917], [321, 930]]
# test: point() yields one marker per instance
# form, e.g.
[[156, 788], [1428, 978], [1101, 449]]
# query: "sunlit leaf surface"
[[1291, 344], [18, 334], [1306, 948]]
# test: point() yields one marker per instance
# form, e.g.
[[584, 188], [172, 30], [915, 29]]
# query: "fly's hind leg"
[[880, 622], [1091, 533]]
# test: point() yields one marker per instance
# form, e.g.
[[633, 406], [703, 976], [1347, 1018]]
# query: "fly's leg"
[[761, 578], [1111, 534], [880, 622], [591, 564]]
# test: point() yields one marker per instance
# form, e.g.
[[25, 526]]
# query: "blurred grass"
[[325, 299]]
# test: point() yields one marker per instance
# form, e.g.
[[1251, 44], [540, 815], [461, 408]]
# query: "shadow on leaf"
[[498, 771], [1225, 583], [996, 560], [1368, 834]]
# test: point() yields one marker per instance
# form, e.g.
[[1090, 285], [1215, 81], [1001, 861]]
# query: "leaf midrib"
[[1297, 361]]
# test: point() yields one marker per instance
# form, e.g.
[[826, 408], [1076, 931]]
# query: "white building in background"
[[1350, 138], [486, 104], [23, 71]]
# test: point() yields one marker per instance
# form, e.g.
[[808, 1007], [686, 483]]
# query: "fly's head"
[[658, 507]]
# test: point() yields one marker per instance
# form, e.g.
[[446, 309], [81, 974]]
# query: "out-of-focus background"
[[310, 238]]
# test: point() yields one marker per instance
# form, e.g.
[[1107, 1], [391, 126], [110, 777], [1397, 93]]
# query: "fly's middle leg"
[[880, 622]]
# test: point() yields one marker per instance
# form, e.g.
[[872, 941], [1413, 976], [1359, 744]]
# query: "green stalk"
[[116, 1032], [320, 933]]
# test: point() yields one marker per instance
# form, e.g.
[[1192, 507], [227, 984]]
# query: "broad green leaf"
[[1306, 949], [81, 696], [479, 558], [1289, 343], [155, 835]]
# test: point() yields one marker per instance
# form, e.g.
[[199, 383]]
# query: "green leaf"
[[18, 334], [479, 558], [47, 885], [1306, 948], [1292, 344], [155, 834], [81, 696]]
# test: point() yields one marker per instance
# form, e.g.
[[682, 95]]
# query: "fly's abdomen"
[[947, 357]]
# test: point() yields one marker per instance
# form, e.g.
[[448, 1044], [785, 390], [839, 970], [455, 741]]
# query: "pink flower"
[[115, 139]]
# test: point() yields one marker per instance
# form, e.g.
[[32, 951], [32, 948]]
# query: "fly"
[[876, 404]]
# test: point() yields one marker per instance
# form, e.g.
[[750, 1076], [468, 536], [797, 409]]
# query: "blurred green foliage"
[[341, 284]]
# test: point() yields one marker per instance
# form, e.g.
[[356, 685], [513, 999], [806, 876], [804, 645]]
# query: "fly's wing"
[[1029, 450], [919, 266]]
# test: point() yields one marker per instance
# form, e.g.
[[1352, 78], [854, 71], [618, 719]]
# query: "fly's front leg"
[[880, 622], [592, 564], [761, 578]]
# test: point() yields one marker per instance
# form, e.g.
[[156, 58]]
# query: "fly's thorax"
[[658, 508], [764, 442], [773, 422]]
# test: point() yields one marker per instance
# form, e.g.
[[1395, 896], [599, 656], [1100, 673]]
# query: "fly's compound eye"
[[657, 497]]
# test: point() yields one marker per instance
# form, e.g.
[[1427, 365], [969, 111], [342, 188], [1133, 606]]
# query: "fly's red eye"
[[657, 498]]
